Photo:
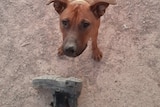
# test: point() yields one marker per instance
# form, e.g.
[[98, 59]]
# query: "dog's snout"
[[70, 50]]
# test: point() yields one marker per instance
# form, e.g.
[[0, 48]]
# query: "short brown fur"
[[79, 21]]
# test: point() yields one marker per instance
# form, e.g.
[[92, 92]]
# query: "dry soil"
[[127, 76]]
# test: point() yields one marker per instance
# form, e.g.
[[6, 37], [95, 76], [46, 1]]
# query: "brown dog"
[[79, 21]]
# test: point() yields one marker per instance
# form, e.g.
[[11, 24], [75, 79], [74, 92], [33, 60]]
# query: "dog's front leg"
[[96, 53], [60, 51]]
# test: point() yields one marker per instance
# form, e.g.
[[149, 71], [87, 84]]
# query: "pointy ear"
[[99, 8], [59, 5]]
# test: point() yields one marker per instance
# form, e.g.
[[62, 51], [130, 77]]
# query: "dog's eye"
[[86, 24], [65, 23]]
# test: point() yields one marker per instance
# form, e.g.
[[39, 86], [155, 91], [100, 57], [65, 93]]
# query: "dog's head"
[[79, 20]]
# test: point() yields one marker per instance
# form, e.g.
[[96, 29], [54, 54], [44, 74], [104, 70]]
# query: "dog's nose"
[[70, 50]]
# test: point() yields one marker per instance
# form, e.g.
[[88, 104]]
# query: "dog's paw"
[[97, 55], [60, 51]]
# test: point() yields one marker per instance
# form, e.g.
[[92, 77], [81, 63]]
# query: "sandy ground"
[[127, 76]]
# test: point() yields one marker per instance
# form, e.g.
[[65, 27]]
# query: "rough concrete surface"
[[127, 76]]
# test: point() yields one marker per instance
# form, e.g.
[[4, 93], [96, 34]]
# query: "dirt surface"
[[127, 76]]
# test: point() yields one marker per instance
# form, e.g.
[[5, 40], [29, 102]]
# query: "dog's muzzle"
[[72, 50]]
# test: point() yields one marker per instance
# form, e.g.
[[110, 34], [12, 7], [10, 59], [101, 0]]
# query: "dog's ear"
[[99, 8], [59, 5]]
